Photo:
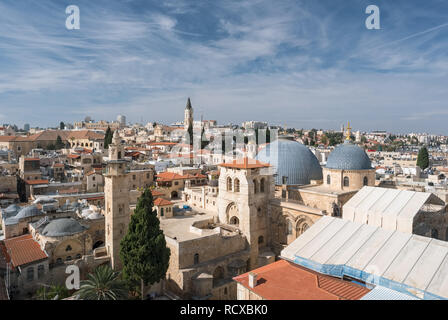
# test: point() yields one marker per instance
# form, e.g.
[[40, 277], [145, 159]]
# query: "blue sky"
[[309, 63]]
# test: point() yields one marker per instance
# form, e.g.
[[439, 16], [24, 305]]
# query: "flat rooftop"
[[179, 227]]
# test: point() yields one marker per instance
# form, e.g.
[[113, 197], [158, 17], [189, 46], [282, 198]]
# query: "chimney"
[[252, 279]]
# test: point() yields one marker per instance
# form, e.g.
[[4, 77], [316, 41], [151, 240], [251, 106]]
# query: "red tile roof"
[[156, 193], [162, 202], [166, 176], [245, 163], [283, 280], [23, 250], [73, 156], [34, 182]]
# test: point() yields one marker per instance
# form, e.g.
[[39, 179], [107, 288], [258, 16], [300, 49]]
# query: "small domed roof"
[[291, 159], [62, 227], [95, 216], [348, 156], [29, 211]]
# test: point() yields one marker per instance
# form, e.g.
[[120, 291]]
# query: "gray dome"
[[293, 160], [29, 211], [12, 209], [62, 227], [348, 156]]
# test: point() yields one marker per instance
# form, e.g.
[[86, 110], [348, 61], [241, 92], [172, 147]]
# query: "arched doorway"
[[218, 275], [232, 214], [97, 244], [174, 195]]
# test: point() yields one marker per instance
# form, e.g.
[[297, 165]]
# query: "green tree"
[[59, 144], [190, 133], [324, 139], [62, 125], [103, 284], [423, 158], [108, 138], [143, 250], [49, 293]]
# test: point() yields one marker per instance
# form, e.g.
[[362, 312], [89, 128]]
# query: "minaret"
[[188, 118], [116, 193], [349, 132]]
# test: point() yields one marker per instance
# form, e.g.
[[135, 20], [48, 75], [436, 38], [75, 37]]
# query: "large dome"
[[293, 160], [348, 156], [62, 227]]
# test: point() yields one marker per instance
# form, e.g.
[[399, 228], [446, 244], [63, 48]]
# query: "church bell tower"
[[116, 193]]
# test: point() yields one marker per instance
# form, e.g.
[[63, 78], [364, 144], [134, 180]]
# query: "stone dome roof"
[[348, 156], [95, 216], [292, 159], [62, 227], [29, 211]]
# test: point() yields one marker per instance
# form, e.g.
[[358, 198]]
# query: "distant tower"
[[26, 127], [349, 131], [117, 200], [188, 119], [122, 120]]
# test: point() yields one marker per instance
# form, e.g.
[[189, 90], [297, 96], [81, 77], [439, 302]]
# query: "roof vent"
[[252, 279]]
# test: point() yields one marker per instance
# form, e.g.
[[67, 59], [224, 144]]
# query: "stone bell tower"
[[245, 188], [116, 193], [188, 116]]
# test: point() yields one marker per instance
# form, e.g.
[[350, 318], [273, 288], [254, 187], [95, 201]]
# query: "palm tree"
[[103, 284]]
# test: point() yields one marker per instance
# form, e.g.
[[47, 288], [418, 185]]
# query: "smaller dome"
[[86, 212], [29, 211], [348, 156], [95, 216], [12, 209], [62, 227]]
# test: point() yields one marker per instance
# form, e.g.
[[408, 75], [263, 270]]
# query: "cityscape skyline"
[[238, 61]]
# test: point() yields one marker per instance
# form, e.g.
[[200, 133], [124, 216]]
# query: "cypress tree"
[[59, 144], [423, 158], [107, 138], [143, 250]]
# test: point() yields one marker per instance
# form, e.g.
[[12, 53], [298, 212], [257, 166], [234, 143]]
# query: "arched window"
[[69, 258], [69, 248], [366, 181], [289, 227], [30, 274], [434, 234], [346, 182], [255, 186], [196, 258], [260, 240], [58, 261], [78, 256], [237, 185], [229, 184], [40, 271], [234, 220], [161, 212], [328, 179], [262, 185]]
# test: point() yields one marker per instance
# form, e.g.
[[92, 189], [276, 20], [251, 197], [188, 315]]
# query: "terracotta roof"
[[283, 280], [32, 159], [59, 165], [156, 193], [34, 182], [162, 143], [166, 176], [162, 202], [23, 250], [73, 156], [95, 198], [245, 163]]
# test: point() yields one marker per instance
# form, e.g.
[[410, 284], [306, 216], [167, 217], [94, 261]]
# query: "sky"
[[299, 63]]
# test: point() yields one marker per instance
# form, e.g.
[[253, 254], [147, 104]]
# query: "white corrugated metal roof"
[[416, 263], [387, 208], [383, 293]]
